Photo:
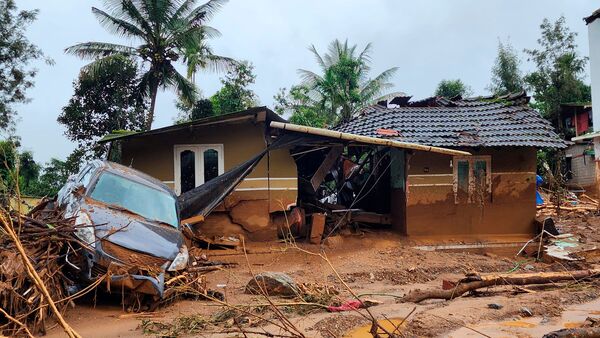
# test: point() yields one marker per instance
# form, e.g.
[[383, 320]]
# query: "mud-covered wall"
[[271, 187], [433, 211]]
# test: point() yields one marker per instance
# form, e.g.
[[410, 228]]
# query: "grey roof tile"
[[483, 121]]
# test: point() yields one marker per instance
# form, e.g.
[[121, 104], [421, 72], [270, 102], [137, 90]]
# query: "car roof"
[[133, 174]]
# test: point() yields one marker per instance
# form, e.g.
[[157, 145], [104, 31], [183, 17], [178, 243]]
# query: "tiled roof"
[[458, 122]]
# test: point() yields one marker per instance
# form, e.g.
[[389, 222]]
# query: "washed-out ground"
[[382, 265]]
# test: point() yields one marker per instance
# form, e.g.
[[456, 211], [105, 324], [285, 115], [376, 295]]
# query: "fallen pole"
[[473, 283], [365, 139]]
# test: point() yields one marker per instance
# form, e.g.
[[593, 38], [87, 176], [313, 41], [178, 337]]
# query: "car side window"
[[85, 176]]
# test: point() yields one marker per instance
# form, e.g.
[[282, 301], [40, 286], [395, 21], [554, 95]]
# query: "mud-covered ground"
[[380, 265]]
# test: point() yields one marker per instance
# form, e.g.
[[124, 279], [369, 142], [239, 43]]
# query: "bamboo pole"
[[365, 139], [36, 278]]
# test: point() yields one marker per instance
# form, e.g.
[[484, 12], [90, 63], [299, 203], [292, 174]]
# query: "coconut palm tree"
[[165, 31], [344, 87]]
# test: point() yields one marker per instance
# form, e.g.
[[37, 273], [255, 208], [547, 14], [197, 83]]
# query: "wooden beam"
[[365, 139], [332, 156]]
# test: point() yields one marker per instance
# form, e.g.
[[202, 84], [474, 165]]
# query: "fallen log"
[[472, 283], [582, 332]]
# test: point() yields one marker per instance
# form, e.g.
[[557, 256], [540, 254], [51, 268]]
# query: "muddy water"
[[573, 317], [364, 331]]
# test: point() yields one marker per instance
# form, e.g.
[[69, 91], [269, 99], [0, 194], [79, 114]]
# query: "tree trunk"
[[150, 117], [464, 286]]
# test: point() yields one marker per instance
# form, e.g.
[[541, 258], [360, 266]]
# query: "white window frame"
[[198, 150], [471, 179]]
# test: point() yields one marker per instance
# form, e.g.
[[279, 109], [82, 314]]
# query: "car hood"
[[134, 232]]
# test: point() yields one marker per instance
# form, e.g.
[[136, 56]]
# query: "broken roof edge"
[[365, 139], [271, 115], [589, 19]]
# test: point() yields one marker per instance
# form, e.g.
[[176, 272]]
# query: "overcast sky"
[[427, 40]]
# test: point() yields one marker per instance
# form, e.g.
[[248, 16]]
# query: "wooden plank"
[[193, 220], [317, 228], [370, 217], [325, 166]]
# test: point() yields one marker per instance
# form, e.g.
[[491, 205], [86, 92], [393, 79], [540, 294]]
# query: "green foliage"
[[506, 76], [202, 108], [8, 161], [102, 103], [169, 31], [34, 179], [558, 77], [235, 95], [452, 88], [344, 86], [16, 53], [300, 107], [54, 175]]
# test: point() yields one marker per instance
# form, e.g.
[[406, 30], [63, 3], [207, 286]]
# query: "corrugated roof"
[[458, 122]]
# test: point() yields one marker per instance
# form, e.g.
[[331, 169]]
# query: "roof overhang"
[[259, 114], [586, 136], [365, 139]]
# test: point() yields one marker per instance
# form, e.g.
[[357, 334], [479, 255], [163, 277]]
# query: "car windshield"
[[136, 197]]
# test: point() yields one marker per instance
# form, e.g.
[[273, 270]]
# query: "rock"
[[526, 312], [274, 283], [528, 267], [495, 306]]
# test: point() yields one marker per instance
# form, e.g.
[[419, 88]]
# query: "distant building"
[[583, 121]]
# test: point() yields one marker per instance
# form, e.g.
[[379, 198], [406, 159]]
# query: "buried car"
[[128, 223]]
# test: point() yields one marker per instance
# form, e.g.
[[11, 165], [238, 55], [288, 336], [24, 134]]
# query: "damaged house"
[[441, 169], [187, 155], [490, 194]]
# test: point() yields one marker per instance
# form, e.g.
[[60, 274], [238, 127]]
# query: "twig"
[[14, 320]]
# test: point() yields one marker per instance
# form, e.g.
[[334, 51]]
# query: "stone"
[[528, 267], [526, 312], [495, 306], [274, 284]]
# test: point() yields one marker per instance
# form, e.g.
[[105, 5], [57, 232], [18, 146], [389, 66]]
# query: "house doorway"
[[196, 164]]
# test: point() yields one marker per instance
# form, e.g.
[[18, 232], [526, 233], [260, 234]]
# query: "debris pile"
[[567, 201], [49, 243], [58, 257]]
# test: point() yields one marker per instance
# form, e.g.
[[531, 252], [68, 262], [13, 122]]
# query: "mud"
[[382, 266]]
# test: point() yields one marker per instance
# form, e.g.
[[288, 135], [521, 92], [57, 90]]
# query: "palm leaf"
[[206, 11], [309, 79], [365, 56], [318, 57], [91, 50], [116, 25], [129, 10], [185, 88], [376, 86]]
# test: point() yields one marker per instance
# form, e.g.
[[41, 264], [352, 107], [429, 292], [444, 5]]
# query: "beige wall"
[[431, 207], [272, 185]]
